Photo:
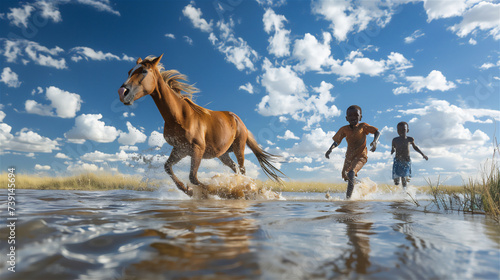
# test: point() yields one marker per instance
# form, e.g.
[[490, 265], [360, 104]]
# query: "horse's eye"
[[144, 71]]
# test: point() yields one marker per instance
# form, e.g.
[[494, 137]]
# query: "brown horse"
[[191, 129]]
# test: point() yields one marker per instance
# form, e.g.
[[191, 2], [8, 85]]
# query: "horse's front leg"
[[175, 157]]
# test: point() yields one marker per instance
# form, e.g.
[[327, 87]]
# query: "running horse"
[[189, 128]]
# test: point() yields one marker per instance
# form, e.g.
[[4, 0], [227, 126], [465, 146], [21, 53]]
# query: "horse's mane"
[[177, 82]]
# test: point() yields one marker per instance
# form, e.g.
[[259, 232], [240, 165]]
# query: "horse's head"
[[141, 81]]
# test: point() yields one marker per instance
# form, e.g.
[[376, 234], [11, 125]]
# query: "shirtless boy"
[[357, 153], [402, 162]]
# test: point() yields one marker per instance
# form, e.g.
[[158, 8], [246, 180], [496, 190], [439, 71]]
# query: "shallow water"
[[165, 235]]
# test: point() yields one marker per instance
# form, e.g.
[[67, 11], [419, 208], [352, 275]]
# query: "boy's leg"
[[396, 181], [404, 181], [350, 183]]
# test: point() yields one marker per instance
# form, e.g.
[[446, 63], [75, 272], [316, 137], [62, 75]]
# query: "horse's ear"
[[139, 60], [157, 60]]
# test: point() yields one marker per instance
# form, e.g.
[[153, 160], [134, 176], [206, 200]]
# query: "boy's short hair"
[[354, 107], [404, 123]]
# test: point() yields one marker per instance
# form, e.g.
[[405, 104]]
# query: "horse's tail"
[[265, 159]]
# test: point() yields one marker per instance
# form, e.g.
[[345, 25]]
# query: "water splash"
[[234, 186], [364, 189]]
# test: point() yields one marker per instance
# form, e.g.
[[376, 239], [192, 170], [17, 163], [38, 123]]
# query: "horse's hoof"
[[189, 191]]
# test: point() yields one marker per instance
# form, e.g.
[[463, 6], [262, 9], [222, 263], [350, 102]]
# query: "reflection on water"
[[144, 235]]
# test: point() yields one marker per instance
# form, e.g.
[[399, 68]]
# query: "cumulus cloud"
[[24, 51], [353, 16], [89, 127], [313, 55], [25, 141], [19, 16], [433, 82], [194, 14], [441, 124], [279, 42], [42, 167], [64, 104], [235, 49], [444, 9], [133, 136], [288, 135], [98, 156], [156, 139], [248, 87], [10, 78], [483, 16], [417, 34], [89, 53]]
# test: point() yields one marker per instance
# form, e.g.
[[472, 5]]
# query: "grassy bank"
[[86, 181]]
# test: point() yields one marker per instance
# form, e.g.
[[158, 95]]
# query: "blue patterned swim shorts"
[[401, 168]]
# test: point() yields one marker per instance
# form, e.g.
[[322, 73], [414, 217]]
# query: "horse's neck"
[[168, 103]]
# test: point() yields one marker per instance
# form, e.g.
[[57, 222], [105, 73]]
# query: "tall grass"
[[477, 195], [85, 181]]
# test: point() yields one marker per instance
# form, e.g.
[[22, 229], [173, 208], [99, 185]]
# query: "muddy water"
[[165, 235]]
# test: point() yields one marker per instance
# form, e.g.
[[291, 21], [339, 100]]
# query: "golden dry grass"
[[86, 181]]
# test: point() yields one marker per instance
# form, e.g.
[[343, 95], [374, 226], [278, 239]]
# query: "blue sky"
[[289, 69]]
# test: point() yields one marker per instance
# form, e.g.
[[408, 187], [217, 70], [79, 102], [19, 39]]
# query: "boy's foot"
[[396, 181]]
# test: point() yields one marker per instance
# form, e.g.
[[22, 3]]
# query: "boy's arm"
[[333, 146], [375, 140], [418, 150], [393, 146]]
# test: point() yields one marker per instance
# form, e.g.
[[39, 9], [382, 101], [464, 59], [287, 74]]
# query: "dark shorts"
[[401, 168]]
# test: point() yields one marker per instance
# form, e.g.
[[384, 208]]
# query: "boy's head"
[[353, 114], [403, 128]]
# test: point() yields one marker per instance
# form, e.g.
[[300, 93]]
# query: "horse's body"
[[191, 129]]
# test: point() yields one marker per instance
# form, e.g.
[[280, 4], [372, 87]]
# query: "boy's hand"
[[426, 158], [374, 146], [327, 155]]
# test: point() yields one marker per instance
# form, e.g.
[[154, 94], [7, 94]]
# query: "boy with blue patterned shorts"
[[402, 162]]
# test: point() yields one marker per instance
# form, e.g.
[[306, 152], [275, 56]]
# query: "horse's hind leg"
[[196, 158], [175, 157], [226, 159], [239, 152]]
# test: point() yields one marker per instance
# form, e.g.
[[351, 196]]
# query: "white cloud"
[[236, 50], [42, 167], [100, 5], [133, 136], [313, 144], [65, 104], [156, 139], [82, 167], [279, 42], [62, 156], [288, 95], [170, 35], [19, 16], [353, 16], [188, 40], [483, 16], [49, 11], [98, 156], [10, 78], [306, 168], [22, 50], [89, 53], [25, 141], [356, 64], [194, 14], [313, 55], [89, 127], [417, 34], [286, 91], [489, 65], [433, 82], [441, 124], [248, 87], [288, 135], [444, 9]]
